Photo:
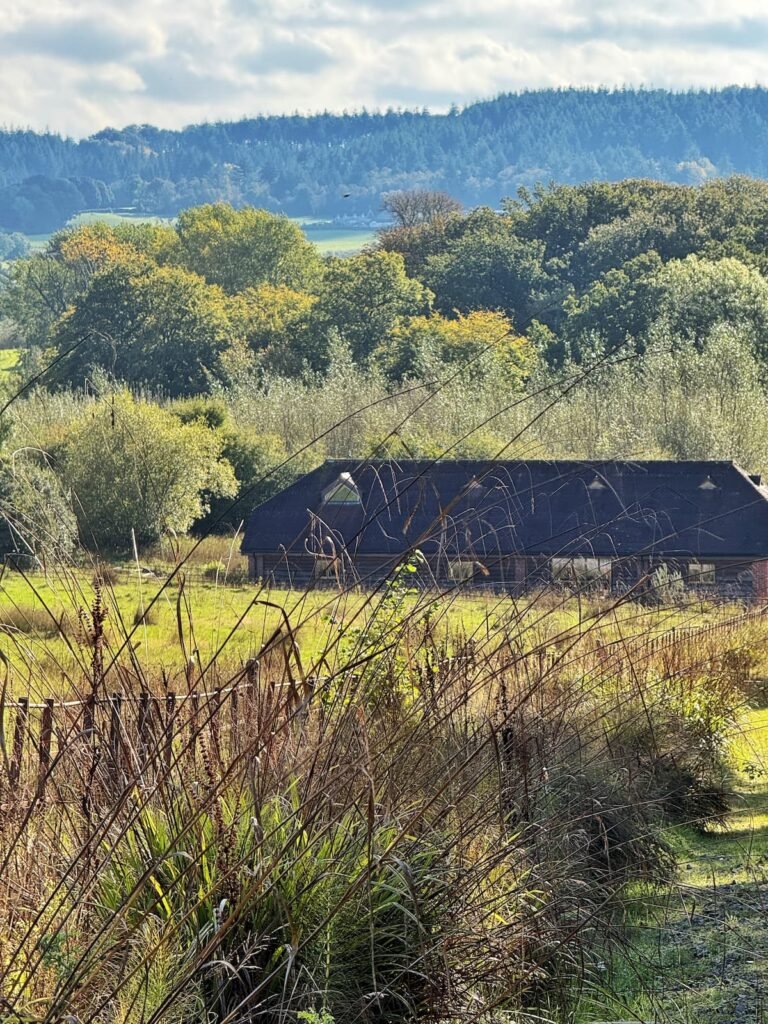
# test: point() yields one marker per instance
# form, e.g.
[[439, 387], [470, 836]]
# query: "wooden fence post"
[[213, 721], [193, 724], [145, 711], [46, 732], [170, 724], [115, 726], [19, 733], [89, 735], [233, 722]]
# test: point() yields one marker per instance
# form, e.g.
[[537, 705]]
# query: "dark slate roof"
[[534, 507]]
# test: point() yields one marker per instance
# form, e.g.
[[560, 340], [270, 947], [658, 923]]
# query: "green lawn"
[[700, 950]]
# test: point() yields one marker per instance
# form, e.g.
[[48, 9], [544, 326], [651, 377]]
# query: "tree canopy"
[[241, 249], [160, 326], [136, 469]]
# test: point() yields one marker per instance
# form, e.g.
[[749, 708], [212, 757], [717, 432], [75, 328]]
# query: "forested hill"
[[332, 165]]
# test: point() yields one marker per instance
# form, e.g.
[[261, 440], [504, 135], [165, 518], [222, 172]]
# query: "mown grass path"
[[700, 954]]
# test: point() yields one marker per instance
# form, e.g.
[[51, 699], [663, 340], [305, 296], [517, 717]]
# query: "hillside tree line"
[[337, 165]]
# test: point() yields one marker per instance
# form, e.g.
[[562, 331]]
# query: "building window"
[[324, 567], [701, 573], [461, 569], [581, 569], [343, 491]]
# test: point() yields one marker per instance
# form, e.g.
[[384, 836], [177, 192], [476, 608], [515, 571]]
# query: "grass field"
[[340, 241], [40, 622], [331, 241], [9, 358], [104, 217], [41, 618], [475, 764]]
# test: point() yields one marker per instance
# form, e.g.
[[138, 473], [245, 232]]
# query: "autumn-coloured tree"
[[484, 342], [273, 321], [239, 249]]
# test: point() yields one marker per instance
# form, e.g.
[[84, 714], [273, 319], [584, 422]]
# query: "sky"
[[76, 66]]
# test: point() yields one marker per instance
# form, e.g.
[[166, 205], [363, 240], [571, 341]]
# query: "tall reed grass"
[[421, 824]]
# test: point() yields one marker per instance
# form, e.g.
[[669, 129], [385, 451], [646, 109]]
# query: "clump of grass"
[[219, 572], [197, 553], [34, 621], [105, 575], [146, 616]]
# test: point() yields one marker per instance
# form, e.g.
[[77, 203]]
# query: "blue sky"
[[79, 65]]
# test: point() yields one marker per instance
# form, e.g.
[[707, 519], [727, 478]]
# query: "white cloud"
[[77, 65]]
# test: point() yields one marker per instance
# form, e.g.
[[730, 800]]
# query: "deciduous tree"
[[132, 466], [364, 298], [161, 326], [241, 249]]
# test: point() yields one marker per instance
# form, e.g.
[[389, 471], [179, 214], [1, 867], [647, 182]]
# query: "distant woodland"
[[338, 165]]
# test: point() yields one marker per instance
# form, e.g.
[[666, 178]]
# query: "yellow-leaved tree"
[[483, 341], [240, 249]]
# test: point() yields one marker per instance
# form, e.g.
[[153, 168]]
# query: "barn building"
[[515, 525]]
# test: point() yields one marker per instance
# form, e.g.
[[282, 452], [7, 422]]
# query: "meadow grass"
[[201, 611], [9, 358], [39, 620], [435, 799]]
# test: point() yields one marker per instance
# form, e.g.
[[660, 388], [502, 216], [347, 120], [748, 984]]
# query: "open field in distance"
[[9, 358], [329, 239]]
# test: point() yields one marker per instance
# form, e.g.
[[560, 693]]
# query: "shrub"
[[666, 586], [105, 575], [35, 621], [219, 572], [145, 616], [136, 470]]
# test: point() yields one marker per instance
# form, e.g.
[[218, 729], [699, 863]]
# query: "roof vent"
[[708, 484], [343, 491], [597, 485]]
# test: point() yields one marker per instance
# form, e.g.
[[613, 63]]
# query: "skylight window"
[[597, 485], [708, 484], [343, 491]]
